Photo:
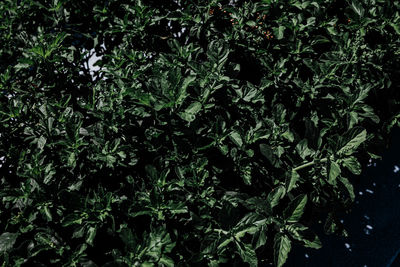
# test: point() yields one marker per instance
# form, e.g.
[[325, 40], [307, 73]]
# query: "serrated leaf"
[[282, 247], [295, 209]]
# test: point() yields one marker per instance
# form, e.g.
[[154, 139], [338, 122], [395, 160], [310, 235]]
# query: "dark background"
[[373, 224]]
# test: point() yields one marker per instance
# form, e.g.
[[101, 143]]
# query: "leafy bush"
[[213, 133]]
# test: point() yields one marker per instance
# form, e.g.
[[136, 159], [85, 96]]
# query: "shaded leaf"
[[7, 241], [282, 247], [295, 210]]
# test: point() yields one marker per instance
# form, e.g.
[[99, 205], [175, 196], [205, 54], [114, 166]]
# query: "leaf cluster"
[[200, 140]]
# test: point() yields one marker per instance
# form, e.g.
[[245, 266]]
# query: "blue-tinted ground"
[[373, 225]]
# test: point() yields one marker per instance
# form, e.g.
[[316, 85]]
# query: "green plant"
[[213, 133]]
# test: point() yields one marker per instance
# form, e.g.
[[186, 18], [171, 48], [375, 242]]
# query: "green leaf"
[[295, 209], [225, 243], [279, 32], [396, 27], [288, 135], [348, 186], [152, 172], [247, 253], [236, 138], [352, 164], [7, 241], [276, 195], [291, 183], [369, 113], [282, 247], [351, 146], [303, 150], [167, 261], [313, 243], [48, 213], [357, 7], [91, 234], [251, 23], [374, 156], [183, 90], [304, 235], [260, 237], [71, 159], [41, 142], [190, 113], [268, 152], [334, 171]]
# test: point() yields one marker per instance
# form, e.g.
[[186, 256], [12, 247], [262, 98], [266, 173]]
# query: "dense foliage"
[[214, 133]]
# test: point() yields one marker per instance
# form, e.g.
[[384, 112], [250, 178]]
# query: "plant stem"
[[309, 164]]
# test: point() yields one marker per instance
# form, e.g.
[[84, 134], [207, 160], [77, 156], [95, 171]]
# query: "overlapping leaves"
[[201, 140]]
